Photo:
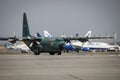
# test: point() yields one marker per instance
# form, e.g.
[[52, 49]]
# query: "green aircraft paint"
[[38, 45]]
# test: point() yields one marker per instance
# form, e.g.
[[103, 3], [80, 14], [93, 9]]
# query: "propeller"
[[13, 39], [34, 42]]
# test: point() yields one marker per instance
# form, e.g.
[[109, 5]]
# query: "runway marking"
[[73, 76]]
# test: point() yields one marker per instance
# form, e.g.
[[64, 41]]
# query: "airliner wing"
[[76, 38], [83, 39], [100, 37]]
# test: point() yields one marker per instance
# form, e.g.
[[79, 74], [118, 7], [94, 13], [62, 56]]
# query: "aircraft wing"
[[14, 39], [31, 38], [83, 39], [10, 39], [100, 37], [75, 38]]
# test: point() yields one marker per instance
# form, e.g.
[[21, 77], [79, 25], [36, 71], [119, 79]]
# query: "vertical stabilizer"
[[38, 35], [88, 34], [47, 34], [26, 32]]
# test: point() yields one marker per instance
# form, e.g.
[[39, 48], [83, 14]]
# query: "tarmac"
[[68, 66]]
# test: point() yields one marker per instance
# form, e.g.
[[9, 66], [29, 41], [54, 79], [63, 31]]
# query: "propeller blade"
[[31, 44], [37, 42]]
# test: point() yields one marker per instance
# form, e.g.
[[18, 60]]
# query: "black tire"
[[36, 52], [52, 53], [77, 51], [59, 53], [67, 51]]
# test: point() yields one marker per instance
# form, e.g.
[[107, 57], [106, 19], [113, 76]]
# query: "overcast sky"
[[60, 16]]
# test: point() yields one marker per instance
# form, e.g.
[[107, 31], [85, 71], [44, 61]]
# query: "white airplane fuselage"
[[99, 46]]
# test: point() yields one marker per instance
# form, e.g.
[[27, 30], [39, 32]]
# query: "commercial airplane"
[[99, 46], [38, 45], [22, 47], [75, 45]]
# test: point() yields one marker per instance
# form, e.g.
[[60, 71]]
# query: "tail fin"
[[88, 34], [38, 35], [26, 31], [47, 34]]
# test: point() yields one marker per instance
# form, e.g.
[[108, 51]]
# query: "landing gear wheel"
[[36, 52], [52, 53], [59, 53]]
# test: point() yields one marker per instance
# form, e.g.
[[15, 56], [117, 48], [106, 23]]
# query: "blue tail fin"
[[38, 35]]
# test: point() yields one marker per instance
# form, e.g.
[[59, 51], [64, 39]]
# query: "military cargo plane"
[[52, 45]]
